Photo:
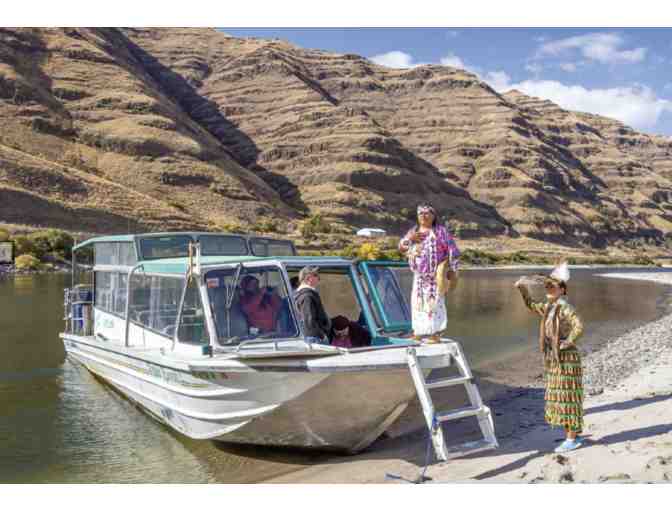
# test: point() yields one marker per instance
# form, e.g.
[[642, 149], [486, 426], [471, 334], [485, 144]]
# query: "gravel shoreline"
[[615, 379], [618, 359]]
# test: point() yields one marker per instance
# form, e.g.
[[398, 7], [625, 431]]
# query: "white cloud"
[[534, 67], [395, 59], [403, 60], [498, 80], [637, 106], [605, 48], [569, 67], [453, 61]]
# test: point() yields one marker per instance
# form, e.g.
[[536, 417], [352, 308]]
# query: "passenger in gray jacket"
[[315, 320]]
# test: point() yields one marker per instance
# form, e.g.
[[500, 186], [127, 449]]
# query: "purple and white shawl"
[[424, 259]]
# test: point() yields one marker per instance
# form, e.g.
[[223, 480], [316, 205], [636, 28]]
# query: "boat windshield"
[[389, 286], [250, 302]]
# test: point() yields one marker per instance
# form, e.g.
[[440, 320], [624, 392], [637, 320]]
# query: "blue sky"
[[619, 73]]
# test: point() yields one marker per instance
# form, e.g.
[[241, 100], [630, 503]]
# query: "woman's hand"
[[564, 345], [417, 236]]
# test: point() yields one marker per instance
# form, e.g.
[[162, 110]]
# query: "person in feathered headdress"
[[559, 330]]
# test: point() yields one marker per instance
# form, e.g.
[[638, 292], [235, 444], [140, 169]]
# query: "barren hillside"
[[103, 129]]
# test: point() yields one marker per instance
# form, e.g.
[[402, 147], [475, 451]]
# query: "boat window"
[[272, 248], [111, 292], [103, 298], [120, 292], [223, 245], [372, 305], [154, 302], [165, 247], [337, 293], [192, 328], [250, 302], [115, 254], [390, 290]]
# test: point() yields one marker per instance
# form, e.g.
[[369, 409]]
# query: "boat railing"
[[309, 342], [78, 309]]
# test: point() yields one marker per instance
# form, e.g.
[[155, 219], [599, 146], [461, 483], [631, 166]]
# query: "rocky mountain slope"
[[111, 129]]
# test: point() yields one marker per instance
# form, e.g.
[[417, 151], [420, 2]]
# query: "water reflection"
[[59, 424]]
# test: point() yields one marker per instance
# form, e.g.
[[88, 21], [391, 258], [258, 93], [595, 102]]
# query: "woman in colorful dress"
[[433, 257], [559, 330]]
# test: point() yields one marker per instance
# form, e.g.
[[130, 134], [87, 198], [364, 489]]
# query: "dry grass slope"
[[214, 130]]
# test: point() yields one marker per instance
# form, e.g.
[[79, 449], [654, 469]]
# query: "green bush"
[[4, 235], [23, 245], [349, 252], [479, 258], [27, 261], [230, 228], [52, 241], [266, 225], [520, 258], [316, 224], [644, 260]]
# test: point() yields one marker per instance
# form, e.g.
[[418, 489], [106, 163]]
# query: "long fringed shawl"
[[555, 332]]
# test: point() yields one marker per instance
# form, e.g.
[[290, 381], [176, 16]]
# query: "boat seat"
[[234, 317]]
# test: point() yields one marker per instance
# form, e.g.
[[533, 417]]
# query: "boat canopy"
[[180, 265], [128, 250]]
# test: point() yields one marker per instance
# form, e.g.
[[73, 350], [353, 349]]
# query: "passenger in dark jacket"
[[315, 320], [348, 334]]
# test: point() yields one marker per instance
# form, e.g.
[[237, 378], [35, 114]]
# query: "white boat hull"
[[329, 404]]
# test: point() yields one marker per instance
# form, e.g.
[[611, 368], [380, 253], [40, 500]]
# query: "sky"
[[619, 73]]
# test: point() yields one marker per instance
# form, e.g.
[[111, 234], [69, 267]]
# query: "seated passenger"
[[348, 334], [260, 305]]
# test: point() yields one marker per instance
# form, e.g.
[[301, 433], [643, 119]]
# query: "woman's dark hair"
[[435, 221], [563, 286], [245, 281]]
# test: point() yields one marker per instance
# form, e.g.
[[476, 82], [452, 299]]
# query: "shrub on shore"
[[45, 244], [4, 235], [52, 241], [23, 246], [27, 261]]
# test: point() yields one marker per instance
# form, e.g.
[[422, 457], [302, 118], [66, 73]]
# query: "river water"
[[59, 424]]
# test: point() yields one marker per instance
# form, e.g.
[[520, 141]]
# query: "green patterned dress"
[[564, 377]]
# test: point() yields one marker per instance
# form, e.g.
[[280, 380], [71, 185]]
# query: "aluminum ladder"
[[434, 419]]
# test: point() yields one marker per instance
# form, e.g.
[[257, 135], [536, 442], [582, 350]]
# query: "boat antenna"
[[190, 267], [234, 284]]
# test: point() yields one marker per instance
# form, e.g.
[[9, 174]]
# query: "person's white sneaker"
[[568, 445]]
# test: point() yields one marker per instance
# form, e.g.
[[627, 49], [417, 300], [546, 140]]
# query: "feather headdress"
[[561, 272]]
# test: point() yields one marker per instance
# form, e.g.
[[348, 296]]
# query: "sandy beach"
[[628, 420]]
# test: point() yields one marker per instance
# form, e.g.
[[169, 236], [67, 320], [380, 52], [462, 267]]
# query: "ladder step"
[[461, 412], [451, 381], [468, 448]]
